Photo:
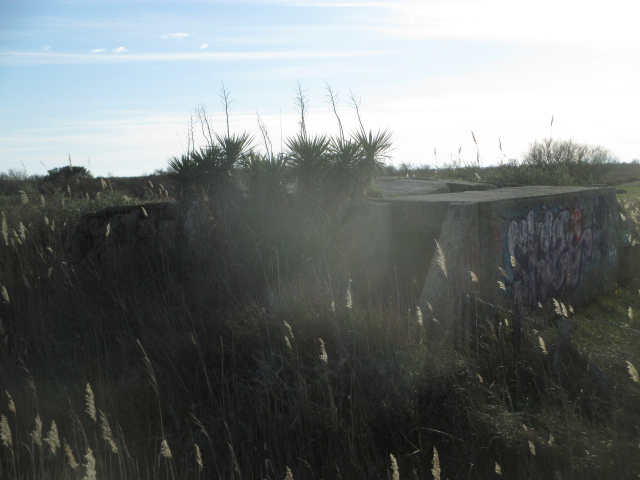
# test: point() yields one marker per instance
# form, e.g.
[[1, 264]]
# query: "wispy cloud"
[[98, 50], [503, 20], [176, 36], [43, 58], [46, 48], [203, 46]]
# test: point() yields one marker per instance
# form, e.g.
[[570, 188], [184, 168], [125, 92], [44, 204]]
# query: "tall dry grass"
[[175, 377]]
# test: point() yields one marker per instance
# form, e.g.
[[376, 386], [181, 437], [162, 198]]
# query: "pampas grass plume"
[[5, 432], [198, 457], [436, 465], [289, 474], [289, 328], [441, 260], [419, 316], [501, 285], [165, 451], [498, 469], [543, 347], [323, 352], [5, 230], [52, 438], [69, 453], [633, 372], [394, 468], [90, 466], [4, 294], [36, 435], [91, 404], [12, 406], [107, 434]]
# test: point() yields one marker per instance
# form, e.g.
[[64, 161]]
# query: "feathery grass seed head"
[[5, 230], [198, 456], [633, 372], [286, 340], [498, 469], [501, 285], [441, 260], [474, 278], [91, 404], [71, 460], [52, 438], [532, 448], [289, 474], [4, 294], [349, 300], [89, 466], [165, 451], [12, 406], [289, 328], [630, 313], [5, 432], [543, 347], [323, 352], [394, 468], [419, 316], [36, 435], [435, 470], [107, 434]]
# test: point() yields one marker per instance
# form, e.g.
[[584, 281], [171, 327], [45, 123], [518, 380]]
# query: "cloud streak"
[[44, 58], [175, 36]]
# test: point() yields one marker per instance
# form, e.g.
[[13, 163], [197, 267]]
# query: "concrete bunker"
[[539, 242], [564, 242]]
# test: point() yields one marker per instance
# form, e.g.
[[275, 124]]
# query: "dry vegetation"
[[244, 351]]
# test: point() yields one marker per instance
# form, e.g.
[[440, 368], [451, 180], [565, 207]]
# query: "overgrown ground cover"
[[247, 353]]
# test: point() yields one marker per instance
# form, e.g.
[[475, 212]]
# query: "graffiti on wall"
[[549, 251]]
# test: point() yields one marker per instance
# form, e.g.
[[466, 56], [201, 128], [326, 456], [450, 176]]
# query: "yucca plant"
[[182, 172], [342, 176], [266, 177], [210, 169], [309, 159], [375, 149]]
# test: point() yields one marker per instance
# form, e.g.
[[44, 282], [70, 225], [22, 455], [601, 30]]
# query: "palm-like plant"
[[210, 169], [266, 177], [342, 174], [309, 159], [375, 149], [182, 172]]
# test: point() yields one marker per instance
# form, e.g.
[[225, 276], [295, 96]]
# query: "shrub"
[[583, 164], [63, 174]]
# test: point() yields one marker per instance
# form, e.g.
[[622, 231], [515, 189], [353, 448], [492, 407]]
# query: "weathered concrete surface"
[[365, 243], [405, 186], [563, 241], [119, 238]]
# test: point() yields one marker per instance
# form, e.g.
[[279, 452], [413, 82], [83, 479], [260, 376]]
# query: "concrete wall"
[[563, 241]]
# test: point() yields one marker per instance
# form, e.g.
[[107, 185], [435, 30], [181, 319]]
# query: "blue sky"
[[114, 83]]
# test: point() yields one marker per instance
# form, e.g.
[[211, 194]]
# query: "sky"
[[114, 84]]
